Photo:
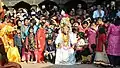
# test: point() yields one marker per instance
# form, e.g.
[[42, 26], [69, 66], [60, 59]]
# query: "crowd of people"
[[82, 36]]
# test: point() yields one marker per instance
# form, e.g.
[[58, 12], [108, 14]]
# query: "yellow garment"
[[5, 35], [65, 39], [13, 55]]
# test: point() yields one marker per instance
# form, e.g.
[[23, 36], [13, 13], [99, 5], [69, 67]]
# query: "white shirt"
[[96, 14]]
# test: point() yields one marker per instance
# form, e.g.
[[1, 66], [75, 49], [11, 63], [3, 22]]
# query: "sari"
[[40, 43]]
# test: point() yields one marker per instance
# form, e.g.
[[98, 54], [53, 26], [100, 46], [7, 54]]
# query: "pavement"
[[49, 65]]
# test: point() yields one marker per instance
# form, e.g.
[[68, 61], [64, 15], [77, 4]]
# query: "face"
[[18, 32], [79, 6], [99, 7], [112, 3], [84, 25], [31, 30], [84, 12], [26, 22], [66, 30], [19, 23], [72, 21], [49, 41], [79, 20]]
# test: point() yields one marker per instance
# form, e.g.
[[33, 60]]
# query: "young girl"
[[101, 56], [30, 45]]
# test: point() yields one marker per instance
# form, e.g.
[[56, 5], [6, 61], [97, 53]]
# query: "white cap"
[[33, 13], [63, 12], [43, 6]]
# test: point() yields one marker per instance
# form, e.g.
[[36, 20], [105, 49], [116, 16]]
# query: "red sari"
[[40, 44]]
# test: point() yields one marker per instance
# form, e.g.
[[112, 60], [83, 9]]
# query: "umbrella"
[[48, 4], [22, 4], [73, 4]]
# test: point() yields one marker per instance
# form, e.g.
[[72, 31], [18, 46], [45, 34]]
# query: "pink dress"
[[113, 40], [91, 36]]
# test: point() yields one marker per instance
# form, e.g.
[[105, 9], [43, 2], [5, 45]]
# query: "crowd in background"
[[79, 36]]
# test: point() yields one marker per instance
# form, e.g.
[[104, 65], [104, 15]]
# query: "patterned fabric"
[[31, 42], [113, 40]]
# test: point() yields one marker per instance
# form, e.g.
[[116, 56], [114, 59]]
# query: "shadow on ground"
[[72, 66]]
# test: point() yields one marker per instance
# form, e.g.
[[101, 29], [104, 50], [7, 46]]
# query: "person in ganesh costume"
[[6, 34], [65, 44], [4, 63]]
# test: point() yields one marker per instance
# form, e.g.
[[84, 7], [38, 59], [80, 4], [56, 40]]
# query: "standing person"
[[30, 45], [18, 41], [98, 13], [24, 34], [113, 49], [101, 56], [92, 33], [41, 42]]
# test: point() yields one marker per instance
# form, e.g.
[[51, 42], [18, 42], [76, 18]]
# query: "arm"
[[94, 14]]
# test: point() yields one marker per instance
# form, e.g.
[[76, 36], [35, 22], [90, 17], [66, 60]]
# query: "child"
[[79, 46], [101, 56], [30, 45], [18, 41], [50, 51]]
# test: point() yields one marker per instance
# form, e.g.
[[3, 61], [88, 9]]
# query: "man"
[[98, 13]]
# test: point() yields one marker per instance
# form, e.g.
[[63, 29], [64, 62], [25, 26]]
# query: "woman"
[[91, 33], [41, 43], [113, 49]]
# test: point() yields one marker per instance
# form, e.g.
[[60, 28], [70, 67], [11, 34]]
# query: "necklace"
[[65, 39]]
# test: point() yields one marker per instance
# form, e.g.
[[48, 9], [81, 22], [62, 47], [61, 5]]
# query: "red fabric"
[[41, 43], [2, 14], [101, 42]]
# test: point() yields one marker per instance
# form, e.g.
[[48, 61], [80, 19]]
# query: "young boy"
[[50, 51], [18, 41]]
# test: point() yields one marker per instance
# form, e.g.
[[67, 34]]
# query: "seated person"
[[80, 46], [50, 51], [4, 60], [87, 56]]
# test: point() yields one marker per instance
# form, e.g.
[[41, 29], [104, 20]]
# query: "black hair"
[[101, 30], [117, 21], [18, 21], [85, 22], [26, 19], [33, 21]]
